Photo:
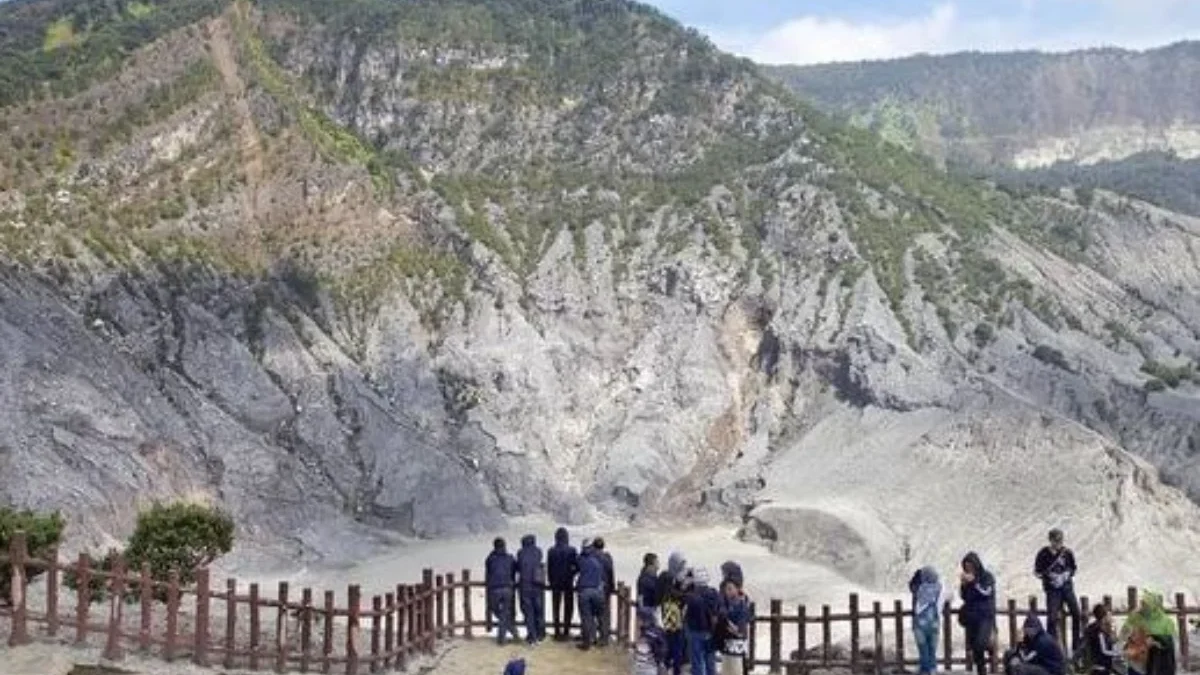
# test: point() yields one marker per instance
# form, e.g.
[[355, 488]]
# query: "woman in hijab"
[[1150, 636]]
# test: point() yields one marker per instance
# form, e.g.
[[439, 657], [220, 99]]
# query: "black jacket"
[[562, 562], [1048, 565], [979, 596], [500, 570], [529, 565]]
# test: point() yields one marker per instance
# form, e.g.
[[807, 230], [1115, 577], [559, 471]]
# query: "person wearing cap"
[[1037, 653], [1055, 566]]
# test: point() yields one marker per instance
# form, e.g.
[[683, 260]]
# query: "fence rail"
[[310, 633]]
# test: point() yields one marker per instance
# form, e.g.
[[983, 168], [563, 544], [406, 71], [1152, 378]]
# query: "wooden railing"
[[384, 632], [888, 630]]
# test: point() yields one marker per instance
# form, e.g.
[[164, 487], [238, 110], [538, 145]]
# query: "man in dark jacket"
[[1055, 566], [500, 576], [647, 583], [562, 564], [1037, 654], [610, 587], [977, 588], [702, 604], [590, 584], [533, 589]]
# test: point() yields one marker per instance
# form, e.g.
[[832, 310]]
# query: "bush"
[[179, 536], [43, 532], [1052, 356], [97, 585], [984, 334], [1155, 384]]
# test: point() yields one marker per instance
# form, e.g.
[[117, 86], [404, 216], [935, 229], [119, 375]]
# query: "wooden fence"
[[386, 632]]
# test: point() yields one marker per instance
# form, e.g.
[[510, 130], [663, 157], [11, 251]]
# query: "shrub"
[[43, 532], [1052, 356], [984, 333], [1155, 384], [179, 536], [97, 585]]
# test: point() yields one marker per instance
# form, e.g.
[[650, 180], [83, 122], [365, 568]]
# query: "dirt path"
[[221, 44]]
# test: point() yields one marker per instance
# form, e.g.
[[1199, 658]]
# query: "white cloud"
[[813, 39]]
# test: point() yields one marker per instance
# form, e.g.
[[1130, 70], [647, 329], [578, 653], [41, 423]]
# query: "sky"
[[818, 31]]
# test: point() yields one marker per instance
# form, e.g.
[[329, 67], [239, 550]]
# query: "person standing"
[[647, 583], [500, 572], [562, 564], [735, 618], [671, 605], [610, 588], [701, 606], [590, 584], [977, 588], [927, 601], [532, 586], [1055, 566]]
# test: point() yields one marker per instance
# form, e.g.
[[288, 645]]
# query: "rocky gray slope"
[[348, 283], [1023, 109]]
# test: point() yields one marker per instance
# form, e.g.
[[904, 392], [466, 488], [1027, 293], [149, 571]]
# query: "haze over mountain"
[[411, 267]]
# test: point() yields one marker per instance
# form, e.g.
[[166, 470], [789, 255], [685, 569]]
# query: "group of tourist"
[[1148, 633], [681, 617]]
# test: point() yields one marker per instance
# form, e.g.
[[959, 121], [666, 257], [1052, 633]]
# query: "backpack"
[[672, 614]]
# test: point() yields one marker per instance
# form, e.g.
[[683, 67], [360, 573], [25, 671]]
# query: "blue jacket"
[[979, 597], [701, 606], [529, 564], [591, 571], [562, 562], [647, 589], [737, 612], [515, 667], [500, 570]]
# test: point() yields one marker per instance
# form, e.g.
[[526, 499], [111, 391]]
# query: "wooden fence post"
[[83, 595], [468, 619], [948, 617], [427, 591], [200, 643], [230, 621], [826, 635], [439, 586], [327, 634], [414, 614], [281, 629], [451, 610], [776, 631], [172, 616], [802, 636], [1184, 629], [306, 614], [52, 592], [752, 641], [376, 631], [146, 600], [116, 587], [255, 627], [18, 553], [401, 626], [389, 629], [1014, 635], [353, 597], [854, 636], [898, 610]]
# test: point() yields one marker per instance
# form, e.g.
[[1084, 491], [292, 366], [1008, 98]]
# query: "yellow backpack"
[[672, 615]]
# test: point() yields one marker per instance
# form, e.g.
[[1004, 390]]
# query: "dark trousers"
[[562, 601], [979, 642], [500, 601], [676, 649], [533, 608], [1055, 599], [591, 606]]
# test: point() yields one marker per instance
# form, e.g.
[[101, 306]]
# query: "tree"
[[179, 536], [42, 531]]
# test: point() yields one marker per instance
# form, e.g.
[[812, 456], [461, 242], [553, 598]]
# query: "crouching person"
[[1038, 653]]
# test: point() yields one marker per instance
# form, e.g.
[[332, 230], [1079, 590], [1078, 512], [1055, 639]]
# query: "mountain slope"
[[1025, 109], [412, 267]]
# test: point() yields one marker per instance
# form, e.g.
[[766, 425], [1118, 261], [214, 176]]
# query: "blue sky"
[[814, 31]]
